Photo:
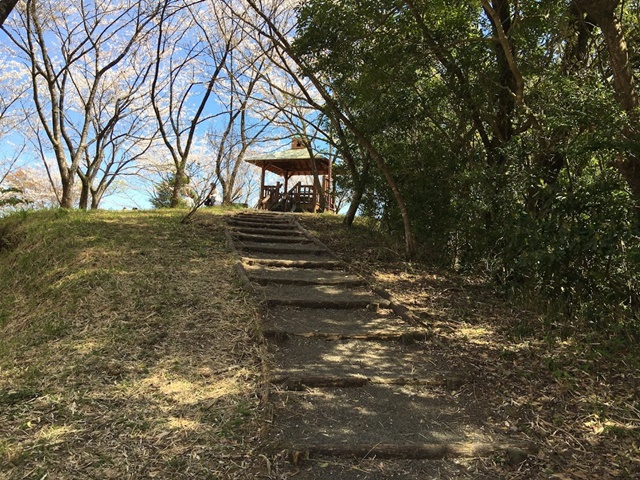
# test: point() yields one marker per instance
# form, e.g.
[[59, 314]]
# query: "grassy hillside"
[[127, 349]]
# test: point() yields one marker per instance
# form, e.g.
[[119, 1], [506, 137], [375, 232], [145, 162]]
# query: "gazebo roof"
[[295, 161]]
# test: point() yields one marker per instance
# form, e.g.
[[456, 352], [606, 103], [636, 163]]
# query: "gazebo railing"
[[298, 198], [270, 196]]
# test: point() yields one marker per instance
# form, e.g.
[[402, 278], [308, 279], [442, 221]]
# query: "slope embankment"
[[127, 349]]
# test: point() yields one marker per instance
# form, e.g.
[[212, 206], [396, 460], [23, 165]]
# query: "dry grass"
[[572, 393], [127, 349]]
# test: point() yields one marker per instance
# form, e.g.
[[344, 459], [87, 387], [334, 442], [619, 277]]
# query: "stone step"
[[514, 453], [279, 239], [371, 336], [293, 261], [299, 383], [296, 321], [301, 356], [264, 217], [262, 225], [268, 231], [312, 464], [375, 414], [290, 382], [295, 276], [280, 248], [321, 296]]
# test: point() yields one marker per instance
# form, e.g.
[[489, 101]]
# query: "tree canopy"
[[509, 128]]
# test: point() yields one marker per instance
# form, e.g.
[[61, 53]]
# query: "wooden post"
[[286, 182], [261, 187], [329, 190], [315, 197]]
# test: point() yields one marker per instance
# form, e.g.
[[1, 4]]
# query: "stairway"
[[351, 390]]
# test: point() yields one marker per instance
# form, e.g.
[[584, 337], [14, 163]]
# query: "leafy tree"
[[164, 193], [500, 130]]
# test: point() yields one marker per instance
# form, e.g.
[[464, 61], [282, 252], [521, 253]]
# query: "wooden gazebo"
[[297, 161]]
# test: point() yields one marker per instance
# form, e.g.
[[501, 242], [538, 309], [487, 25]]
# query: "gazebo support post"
[[316, 198], [329, 189], [261, 187]]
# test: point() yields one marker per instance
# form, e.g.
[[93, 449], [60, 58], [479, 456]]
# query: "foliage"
[[10, 197], [582, 254], [163, 193], [523, 180]]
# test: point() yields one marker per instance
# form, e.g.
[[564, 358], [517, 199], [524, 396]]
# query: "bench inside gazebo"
[[299, 197]]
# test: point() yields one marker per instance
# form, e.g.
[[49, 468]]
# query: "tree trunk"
[[84, 196], [510, 85], [96, 196], [317, 184], [360, 184], [226, 194], [66, 201], [409, 240], [5, 9], [234, 172], [627, 95], [356, 199], [603, 12], [577, 45], [178, 185]]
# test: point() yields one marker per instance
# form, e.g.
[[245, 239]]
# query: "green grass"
[[126, 348]]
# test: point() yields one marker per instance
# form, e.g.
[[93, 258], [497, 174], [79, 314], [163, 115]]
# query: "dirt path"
[[356, 391]]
